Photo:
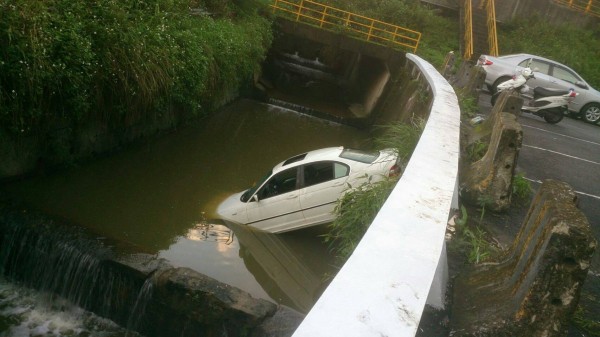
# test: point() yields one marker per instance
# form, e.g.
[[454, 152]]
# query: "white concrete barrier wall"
[[401, 261]]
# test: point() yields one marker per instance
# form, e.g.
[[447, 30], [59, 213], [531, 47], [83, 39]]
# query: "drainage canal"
[[158, 199]]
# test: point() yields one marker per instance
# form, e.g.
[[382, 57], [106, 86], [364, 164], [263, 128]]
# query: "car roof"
[[328, 153], [526, 56]]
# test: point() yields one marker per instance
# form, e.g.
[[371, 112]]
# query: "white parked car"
[[303, 191], [548, 74]]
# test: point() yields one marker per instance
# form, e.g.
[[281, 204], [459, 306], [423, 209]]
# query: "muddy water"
[[161, 197]]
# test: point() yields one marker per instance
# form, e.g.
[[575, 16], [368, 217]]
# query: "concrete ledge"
[[383, 288], [534, 289], [489, 180]]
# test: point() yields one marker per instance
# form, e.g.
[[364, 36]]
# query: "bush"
[[356, 210], [121, 61]]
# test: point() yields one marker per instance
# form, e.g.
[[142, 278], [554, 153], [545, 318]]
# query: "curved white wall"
[[400, 264]]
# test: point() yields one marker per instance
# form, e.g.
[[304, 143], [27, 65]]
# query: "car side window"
[[282, 182], [537, 65], [564, 74], [340, 170], [321, 172]]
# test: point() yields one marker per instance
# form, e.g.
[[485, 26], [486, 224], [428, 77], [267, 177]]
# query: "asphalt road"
[[570, 152]]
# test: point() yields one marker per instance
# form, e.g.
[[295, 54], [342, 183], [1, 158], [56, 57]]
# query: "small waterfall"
[[144, 296], [66, 263], [294, 107]]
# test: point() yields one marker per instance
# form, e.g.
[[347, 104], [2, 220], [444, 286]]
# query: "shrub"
[[123, 61]]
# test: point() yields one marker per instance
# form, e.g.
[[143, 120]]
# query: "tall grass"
[[358, 207], [122, 61]]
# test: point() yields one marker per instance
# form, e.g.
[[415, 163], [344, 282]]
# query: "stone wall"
[[489, 180], [533, 289]]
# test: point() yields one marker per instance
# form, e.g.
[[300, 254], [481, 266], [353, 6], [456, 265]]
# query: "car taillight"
[[395, 171], [483, 60]]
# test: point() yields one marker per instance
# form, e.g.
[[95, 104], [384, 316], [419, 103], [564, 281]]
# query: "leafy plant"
[[358, 207], [119, 63], [470, 240], [521, 187], [586, 325], [355, 211], [468, 103], [484, 201], [401, 137], [476, 150]]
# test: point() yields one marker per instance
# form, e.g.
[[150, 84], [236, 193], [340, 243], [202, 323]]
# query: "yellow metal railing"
[[368, 29], [591, 7], [468, 52], [491, 22]]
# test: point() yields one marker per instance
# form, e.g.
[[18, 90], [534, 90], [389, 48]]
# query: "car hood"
[[230, 207]]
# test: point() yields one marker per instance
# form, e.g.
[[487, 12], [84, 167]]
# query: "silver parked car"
[[548, 74]]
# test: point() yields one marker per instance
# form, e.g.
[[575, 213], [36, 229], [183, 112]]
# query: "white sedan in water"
[[303, 191]]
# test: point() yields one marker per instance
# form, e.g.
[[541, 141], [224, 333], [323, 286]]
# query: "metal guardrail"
[[591, 7], [332, 18], [468, 52], [492, 34]]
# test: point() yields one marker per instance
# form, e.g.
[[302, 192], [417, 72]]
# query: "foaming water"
[[25, 312]]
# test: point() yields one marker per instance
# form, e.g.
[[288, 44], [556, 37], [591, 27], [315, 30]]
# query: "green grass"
[[119, 63], [356, 210]]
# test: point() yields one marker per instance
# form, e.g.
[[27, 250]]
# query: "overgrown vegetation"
[[586, 325], [470, 239], [356, 210], [467, 103], [476, 150], [63, 62], [521, 188]]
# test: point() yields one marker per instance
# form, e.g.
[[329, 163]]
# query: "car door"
[[566, 79], [541, 71], [324, 182], [275, 206]]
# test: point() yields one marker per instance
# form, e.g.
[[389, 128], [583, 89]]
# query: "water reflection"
[[269, 266], [153, 196]]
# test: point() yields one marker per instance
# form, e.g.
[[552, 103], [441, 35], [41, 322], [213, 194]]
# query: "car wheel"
[[591, 113], [553, 117], [498, 81]]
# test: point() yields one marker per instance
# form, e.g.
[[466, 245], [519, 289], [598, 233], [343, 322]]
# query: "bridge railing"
[[468, 34], [491, 22], [591, 7], [332, 18], [400, 263]]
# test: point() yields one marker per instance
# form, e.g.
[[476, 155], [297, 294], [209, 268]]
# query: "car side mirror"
[[581, 85], [254, 198]]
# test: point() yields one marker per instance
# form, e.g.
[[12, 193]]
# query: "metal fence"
[[362, 27], [591, 7]]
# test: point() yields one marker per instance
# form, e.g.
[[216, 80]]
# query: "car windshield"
[[249, 192], [366, 157]]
